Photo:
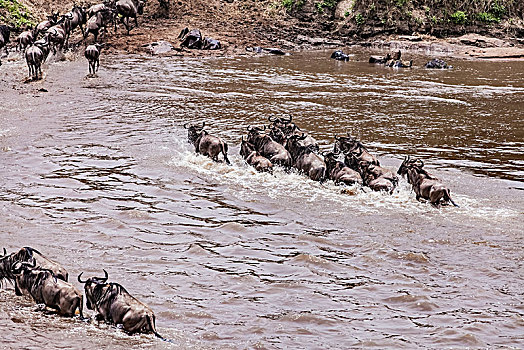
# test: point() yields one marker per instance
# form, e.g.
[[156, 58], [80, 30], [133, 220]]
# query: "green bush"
[[459, 17], [498, 10], [17, 14], [359, 19], [326, 4], [487, 18]]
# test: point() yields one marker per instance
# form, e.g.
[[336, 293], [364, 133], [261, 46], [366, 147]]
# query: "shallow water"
[[96, 173]]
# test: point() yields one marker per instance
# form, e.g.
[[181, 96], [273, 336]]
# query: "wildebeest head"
[[194, 131], [279, 122], [345, 144], [140, 7], [93, 292], [254, 132], [293, 145], [409, 163], [246, 148]]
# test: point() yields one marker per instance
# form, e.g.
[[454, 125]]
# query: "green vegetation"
[[290, 4], [487, 18], [330, 4], [401, 3], [16, 14], [459, 17], [359, 19]]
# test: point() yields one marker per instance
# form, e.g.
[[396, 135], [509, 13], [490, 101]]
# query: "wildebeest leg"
[[17, 290], [447, 197], [136, 22], [97, 65], [40, 70], [224, 152]]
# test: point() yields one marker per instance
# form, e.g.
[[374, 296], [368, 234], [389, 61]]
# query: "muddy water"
[[96, 173]]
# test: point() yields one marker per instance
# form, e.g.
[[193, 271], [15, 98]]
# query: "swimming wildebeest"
[[45, 288], [424, 184], [269, 148], [92, 53], [253, 158], [305, 159], [339, 172], [129, 9], [115, 305], [339, 55], [206, 144], [28, 254], [352, 147]]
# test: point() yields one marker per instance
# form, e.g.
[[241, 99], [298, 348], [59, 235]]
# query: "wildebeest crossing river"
[[97, 174]]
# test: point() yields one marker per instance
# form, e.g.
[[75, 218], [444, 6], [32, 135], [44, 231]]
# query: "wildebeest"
[[211, 44], [129, 9], [92, 53], [281, 129], [253, 158], [351, 147], [424, 184], [45, 288], [376, 177], [5, 32], [339, 172], [305, 159], [115, 305], [34, 57], [24, 40], [97, 22], [58, 34], [437, 64], [339, 55], [28, 254], [206, 144], [191, 39], [43, 26], [77, 17], [269, 148]]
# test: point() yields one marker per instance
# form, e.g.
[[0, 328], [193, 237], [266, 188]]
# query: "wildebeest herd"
[[284, 143], [46, 282]]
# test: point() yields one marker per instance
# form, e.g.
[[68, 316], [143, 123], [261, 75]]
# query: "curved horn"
[[421, 163], [203, 124], [337, 137], [79, 280], [106, 275], [289, 120], [185, 125], [272, 119], [264, 128], [5, 252], [302, 137], [249, 128]]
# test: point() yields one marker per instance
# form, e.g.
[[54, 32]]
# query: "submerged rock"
[[437, 64]]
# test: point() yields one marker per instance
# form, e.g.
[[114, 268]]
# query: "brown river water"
[[97, 174]]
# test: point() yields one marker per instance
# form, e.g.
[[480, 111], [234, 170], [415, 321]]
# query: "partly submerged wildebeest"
[[115, 305], [281, 129], [305, 159], [354, 151], [269, 148], [339, 55], [253, 158], [437, 64], [92, 53], [425, 185], [376, 177], [129, 9], [45, 288], [27, 254], [339, 172], [206, 144]]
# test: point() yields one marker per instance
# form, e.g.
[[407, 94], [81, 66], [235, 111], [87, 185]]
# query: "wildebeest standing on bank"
[[97, 22], [34, 57], [45, 288], [129, 9], [92, 53], [115, 305], [206, 144], [424, 184], [24, 40], [5, 32]]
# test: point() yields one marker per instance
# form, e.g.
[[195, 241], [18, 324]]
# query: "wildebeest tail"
[[152, 327], [448, 198]]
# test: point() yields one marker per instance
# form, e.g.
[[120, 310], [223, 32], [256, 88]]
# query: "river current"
[[96, 173]]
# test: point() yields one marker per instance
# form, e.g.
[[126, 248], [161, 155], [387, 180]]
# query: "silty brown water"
[[97, 174]]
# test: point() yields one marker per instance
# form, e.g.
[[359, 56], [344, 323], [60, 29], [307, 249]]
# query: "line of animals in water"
[[394, 60], [46, 282], [284, 143], [52, 35]]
